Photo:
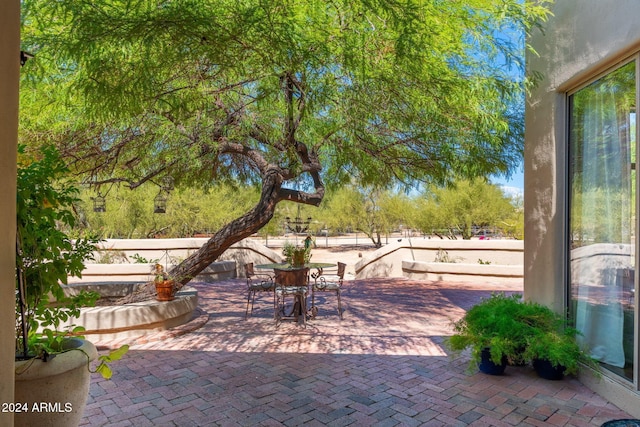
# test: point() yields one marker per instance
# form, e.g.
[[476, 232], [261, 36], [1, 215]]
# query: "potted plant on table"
[[52, 365], [296, 256]]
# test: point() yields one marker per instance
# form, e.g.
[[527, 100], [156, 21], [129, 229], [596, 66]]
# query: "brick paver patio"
[[383, 365]]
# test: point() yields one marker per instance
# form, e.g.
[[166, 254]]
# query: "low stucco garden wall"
[[419, 258], [434, 259], [122, 256]]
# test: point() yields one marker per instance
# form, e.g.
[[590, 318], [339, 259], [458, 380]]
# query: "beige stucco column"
[[9, 71], [582, 40]]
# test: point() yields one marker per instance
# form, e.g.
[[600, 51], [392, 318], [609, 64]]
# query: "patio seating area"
[[383, 364]]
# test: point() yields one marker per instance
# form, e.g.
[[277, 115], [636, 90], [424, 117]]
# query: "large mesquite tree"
[[287, 94]]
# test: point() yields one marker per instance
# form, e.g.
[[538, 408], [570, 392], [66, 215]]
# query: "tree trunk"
[[229, 234]]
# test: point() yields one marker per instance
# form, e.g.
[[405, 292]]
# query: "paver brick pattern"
[[383, 365]]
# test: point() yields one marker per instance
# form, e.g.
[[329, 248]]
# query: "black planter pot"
[[487, 366], [546, 370]]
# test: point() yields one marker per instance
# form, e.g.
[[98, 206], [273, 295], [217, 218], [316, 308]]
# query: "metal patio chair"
[[257, 283], [329, 283]]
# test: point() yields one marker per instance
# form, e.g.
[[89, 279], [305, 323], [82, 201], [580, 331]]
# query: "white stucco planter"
[[54, 393], [136, 319]]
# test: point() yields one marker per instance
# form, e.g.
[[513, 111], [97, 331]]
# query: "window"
[[602, 217]]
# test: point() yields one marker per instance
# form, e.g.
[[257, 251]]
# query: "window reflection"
[[602, 217]]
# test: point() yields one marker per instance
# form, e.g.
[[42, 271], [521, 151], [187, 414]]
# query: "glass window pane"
[[602, 217]]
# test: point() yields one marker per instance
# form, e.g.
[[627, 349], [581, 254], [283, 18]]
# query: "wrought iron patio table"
[[288, 275]]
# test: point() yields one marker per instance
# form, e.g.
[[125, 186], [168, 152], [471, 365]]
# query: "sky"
[[513, 186]]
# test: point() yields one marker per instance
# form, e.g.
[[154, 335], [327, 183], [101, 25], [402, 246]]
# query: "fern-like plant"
[[519, 331]]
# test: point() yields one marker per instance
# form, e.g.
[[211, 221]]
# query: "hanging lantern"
[[297, 225], [160, 203], [99, 204]]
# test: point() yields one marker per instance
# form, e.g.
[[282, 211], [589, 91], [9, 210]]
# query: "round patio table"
[[293, 279], [318, 266], [287, 266]]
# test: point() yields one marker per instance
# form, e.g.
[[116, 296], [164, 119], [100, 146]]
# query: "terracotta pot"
[[54, 393], [164, 290]]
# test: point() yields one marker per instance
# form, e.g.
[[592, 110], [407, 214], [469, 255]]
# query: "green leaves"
[[521, 331], [103, 367], [46, 255], [386, 90], [459, 208]]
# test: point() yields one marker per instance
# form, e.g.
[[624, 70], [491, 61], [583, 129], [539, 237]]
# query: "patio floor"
[[383, 365]]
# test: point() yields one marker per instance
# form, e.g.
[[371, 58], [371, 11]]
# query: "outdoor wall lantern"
[[160, 203]]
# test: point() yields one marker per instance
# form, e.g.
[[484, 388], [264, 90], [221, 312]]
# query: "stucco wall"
[[167, 252], [9, 72], [388, 260], [582, 39]]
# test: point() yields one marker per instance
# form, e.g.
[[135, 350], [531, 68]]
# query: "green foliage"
[[501, 323], [190, 211], [103, 367], [371, 211], [163, 86], [560, 349], [46, 255], [489, 324], [290, 251], [465, 205], [286, 96], [520, 331], [513, 224], [139, 259]]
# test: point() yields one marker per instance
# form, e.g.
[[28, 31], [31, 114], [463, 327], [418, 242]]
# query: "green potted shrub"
[[52, 365], [503, 328], [499, 328], [555, 353], [492, 333]]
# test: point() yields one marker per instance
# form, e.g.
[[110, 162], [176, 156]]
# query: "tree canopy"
[[286, 94], [466, 207]]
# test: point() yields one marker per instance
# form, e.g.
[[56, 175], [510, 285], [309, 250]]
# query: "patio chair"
[[291, 283], [329, 283], [257, 283]]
